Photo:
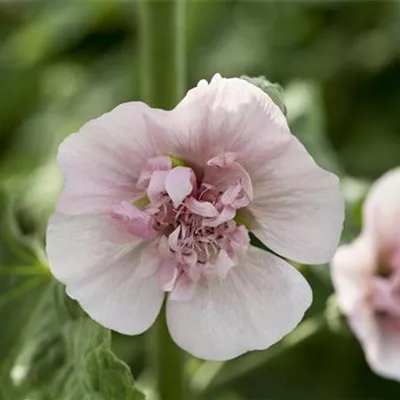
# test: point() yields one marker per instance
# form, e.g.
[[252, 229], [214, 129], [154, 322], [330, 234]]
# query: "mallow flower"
[[159, 204], [366, 276]]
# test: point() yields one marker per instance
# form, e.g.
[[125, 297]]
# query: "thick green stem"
[[167, 362], [162, 56], [163, 84]]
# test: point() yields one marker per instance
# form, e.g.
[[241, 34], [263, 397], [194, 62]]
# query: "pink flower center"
[[191, 216], [386, 295]]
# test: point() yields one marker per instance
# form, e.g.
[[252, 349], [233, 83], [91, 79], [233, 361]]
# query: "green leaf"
[[65, 355], [110, 376], [96, 370], [49, 349], [22, 283], [273, 90]]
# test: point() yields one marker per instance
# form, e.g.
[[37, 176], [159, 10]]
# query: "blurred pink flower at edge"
[[160, 203], [366, 276]]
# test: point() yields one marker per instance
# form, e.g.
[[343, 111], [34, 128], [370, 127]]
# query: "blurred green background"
[[65, 62]]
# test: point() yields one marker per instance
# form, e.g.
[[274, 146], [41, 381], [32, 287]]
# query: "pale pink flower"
[[366, 276], [161, 203]]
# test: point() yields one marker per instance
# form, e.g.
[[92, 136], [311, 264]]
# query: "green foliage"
[[20, 286], [95, 371], [65, 355]]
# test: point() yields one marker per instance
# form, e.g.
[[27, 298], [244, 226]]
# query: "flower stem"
[[167, 362], [163, 85], [162, 56]]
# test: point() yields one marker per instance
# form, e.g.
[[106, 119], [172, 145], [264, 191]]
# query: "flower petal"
[[168, 274], [381, 347], [382, 210], [259, 302], [184, 289], [179, 184], [160, 163], [227, 177], [156, 190], [385, 297], [203, 208], [223, 264], [226, 214], [173, 239], [229, 116], [352, 271], [134, 220], [386, 360], [115, 284], [102, 162], [230, 194], [297, 206]]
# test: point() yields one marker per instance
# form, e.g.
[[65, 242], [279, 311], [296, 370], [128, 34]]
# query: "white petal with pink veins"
[[184, 289], [116, 284], [297, 206], [229, 116], [102, 162], [260, 301]]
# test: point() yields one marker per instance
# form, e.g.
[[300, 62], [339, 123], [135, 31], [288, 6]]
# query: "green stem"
[[167, 362], [162, 56], [163, 85]]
